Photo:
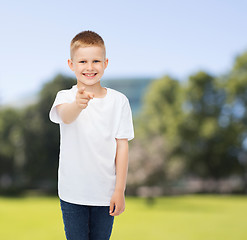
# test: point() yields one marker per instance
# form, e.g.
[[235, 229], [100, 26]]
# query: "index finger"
[[89, 94]]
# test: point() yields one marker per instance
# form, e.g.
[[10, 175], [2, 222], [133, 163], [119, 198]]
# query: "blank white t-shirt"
[[86, 173]]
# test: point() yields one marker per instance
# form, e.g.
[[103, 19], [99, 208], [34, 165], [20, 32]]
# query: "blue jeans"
[[82, 222]]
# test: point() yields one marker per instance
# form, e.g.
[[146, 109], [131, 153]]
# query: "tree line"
[[194, 128], [199, 127]]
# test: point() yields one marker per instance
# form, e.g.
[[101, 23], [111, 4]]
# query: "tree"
[[11, 150], [207, 141], [199, 132], [41, 137], [156, 129], [162, 109], [236, 87]]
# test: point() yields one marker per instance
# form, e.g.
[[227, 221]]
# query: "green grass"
[[173, 218]]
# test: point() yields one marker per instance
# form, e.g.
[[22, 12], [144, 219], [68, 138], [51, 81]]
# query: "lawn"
[[192, 217]]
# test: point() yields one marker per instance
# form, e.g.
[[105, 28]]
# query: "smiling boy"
[[95, 127]]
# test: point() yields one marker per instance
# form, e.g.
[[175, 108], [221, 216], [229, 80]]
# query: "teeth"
[[89, 75]]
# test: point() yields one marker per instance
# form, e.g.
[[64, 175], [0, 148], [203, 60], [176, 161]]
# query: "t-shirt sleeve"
[[62, 97], [125, 129]]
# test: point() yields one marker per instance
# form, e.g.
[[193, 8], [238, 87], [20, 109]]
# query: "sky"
[[143, 38]]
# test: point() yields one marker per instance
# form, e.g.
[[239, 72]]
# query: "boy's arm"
[[121, 161], [70, 111]]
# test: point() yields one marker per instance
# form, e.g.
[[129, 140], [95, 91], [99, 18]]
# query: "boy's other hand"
[[117, 204], [83, 97]]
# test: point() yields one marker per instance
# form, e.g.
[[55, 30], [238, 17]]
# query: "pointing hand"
[[83, 97]]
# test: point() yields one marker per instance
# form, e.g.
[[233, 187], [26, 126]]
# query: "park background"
[[183, 66]]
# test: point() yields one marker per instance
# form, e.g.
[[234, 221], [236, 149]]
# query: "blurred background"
[[183, 66]]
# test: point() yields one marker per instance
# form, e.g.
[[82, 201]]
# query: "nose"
[[89, 66]]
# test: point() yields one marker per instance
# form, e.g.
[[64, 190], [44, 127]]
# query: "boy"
[[95, 127]]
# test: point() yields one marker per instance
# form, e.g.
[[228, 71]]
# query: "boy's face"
[[89, 64]]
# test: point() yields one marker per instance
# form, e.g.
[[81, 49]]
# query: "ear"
[[106, 63], [70, 63]]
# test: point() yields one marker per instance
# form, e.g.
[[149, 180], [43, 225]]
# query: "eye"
[[96, 61], [82, 61]]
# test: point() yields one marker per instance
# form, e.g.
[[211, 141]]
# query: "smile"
[[89, 74]]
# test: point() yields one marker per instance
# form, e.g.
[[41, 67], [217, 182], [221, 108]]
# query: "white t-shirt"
[[86, 173]]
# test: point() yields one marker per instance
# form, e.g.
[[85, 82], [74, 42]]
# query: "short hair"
[[86, 39]]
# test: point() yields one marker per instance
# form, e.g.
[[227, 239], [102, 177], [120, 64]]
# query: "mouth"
[[89, 75]]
